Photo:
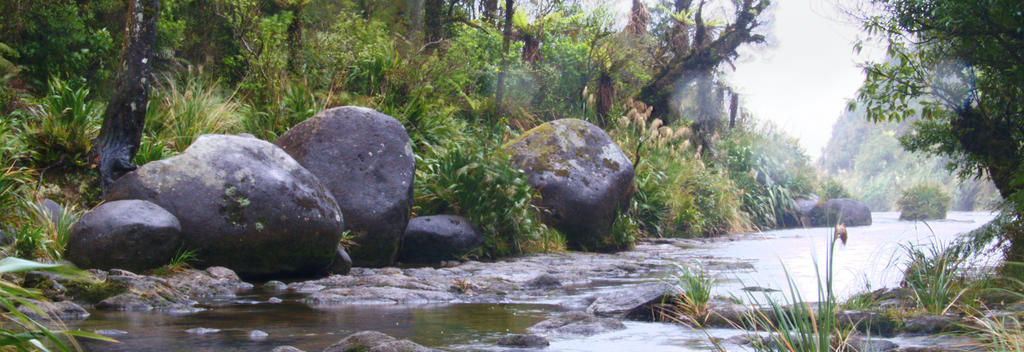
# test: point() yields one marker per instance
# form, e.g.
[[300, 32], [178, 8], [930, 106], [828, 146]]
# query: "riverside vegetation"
[[463, 82]]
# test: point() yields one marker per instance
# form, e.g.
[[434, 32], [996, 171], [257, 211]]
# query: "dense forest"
[[870, 162], [464, 78]]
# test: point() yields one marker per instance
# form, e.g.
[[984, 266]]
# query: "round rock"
[[583, 177], [841, 211], [365, 159], [436, 238], [136, 235], [243, 203]]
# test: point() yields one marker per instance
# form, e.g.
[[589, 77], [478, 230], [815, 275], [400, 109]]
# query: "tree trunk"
[[126, 113], [414, 10], [433, 20], [295, 41], [605, 97], [734, 105], [500, 93]]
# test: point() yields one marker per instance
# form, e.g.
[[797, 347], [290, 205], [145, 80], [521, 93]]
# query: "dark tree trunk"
[[295, 42], [605, 97], [639, 18], [708, 112], [126, 113], [734, 105], [506, 42], [531, 49], [433, 20]]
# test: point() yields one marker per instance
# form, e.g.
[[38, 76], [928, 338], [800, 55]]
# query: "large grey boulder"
[[432, 239], [365, 160], [244, 204], [583, 177], [135, 235], [840, 211]]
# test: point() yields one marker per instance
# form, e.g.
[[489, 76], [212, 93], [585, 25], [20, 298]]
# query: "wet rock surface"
[[122, 290], [840, 210], [576, 324], [523, 340]]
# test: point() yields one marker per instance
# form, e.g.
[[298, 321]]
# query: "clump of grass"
[[1000, 333], [179, 112], [60, 127], [182, 259], [690, 305], [933, 274]]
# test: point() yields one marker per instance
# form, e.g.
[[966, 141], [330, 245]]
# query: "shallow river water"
[[871, 257]]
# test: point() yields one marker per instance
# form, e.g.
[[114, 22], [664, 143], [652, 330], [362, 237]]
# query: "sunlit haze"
[[803, 81]]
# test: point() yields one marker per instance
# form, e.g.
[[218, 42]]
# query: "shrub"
[[923, 202], [478, 181], [690, 305], [934, 276], [832, 189], [179, 112], [60, 127], [297, 103]]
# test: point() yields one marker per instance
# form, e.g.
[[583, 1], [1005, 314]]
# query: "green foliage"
[[933, 275], [923, 202], [948, 63], [59, 127], [297, 104], [22, 333], [179, 112], [832, 189], [677, 194], [477, 180], [61, 38], [771, 169]]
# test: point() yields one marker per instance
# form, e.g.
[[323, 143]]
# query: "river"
[[872, 257]]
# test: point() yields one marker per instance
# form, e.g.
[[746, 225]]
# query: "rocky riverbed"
[[582, 296]]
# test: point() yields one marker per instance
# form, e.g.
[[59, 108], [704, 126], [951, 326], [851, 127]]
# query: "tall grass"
[[934, 276], [296, 104], [60, 126], [794, 325], [179, 112], [690, 305]]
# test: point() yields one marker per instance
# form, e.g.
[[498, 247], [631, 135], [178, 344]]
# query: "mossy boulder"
[[127, 234], [583, 177], [373, 341], [840, 211], [365, 159], [243, 203]]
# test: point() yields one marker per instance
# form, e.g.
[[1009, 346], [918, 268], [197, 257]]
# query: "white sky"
[[803, 81]]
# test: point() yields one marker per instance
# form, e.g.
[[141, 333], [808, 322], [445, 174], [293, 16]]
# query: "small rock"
[[521, 340], [64, 310], [274, 300], [577, 324], [202, 331], [286, 349], [633, 302], [258, 335], [275, 285], [373, 341], [931, 324], [110, 332], [861, 344], [544, 281], [432, 239], [52, 210]]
